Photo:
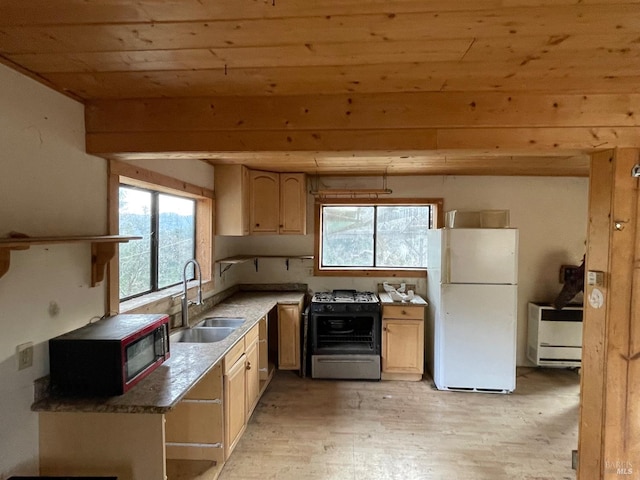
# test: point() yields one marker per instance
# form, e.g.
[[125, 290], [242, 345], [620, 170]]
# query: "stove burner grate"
[[345, 296]]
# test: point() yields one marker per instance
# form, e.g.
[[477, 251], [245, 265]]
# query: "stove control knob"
[[328, 308]]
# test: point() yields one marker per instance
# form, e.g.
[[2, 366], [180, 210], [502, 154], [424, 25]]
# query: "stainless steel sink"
[[202, 334], [231, 322]]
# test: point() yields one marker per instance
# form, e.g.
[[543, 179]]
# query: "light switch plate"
[[24, 352], [595, 278]]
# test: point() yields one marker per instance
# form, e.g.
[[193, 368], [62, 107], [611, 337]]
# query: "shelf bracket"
[[101, 254], [255, 262], [5, 257], [228, 266], [5, 260], [286, 262]]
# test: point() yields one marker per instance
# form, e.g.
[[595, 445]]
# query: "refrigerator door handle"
[[447, 266]]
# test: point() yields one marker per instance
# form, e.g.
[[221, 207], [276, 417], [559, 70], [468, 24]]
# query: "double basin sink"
[[209, 330]]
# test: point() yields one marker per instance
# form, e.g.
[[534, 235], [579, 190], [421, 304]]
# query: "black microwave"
[[108, 357]]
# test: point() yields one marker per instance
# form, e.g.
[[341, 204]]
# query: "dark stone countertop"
[[189, 362]]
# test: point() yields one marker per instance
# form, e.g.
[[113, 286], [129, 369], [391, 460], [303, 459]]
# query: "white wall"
[[551, 214], [196, 172], [48, 186]]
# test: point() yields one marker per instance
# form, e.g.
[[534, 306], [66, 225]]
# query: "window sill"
[[371, 272], [163, 300]]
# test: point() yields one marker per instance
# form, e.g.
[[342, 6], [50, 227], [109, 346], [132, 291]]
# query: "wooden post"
[[113, 267], [609, 439]]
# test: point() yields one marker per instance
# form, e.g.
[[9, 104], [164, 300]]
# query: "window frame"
[[132, 175], [154, 219], [437, 218]]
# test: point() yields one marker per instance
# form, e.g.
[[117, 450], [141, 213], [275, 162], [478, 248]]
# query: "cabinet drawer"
[[232, 357], [398, 311], [251, 336]]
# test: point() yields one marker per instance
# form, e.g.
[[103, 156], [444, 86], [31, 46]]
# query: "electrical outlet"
[[24, 353]]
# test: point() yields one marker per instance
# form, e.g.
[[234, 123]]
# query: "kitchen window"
[[166, 224], [175, 219], [374, 237]]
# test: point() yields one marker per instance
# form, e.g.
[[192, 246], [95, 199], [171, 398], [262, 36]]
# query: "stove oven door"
[[345, 333], [345, 345]]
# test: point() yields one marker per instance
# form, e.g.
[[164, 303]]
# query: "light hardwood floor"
[[316, 429]]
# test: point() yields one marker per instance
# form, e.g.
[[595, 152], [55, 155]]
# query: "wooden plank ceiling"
[[551, 56]]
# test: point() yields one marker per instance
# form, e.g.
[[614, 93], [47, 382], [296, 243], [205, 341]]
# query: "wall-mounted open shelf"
[[231, 261], [103, 248]]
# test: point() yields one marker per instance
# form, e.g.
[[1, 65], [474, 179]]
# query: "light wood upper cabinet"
[[402, 342], [293, 204], [289, 336], [232, 190], [257, 202], [278, 203], [265, 202]]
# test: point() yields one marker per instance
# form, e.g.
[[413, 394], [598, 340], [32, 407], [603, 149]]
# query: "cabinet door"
[[232, 188], [289, 337], [402, 346], [246, 201], [293, 204], [263, 348], [252, 377], [234, 405], [265, 202]]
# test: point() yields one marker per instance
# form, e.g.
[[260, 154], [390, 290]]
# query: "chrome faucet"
[[185, 301]]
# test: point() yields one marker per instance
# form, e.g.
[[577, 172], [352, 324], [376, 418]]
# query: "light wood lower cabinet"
[[235, 395], [191, 441], [194, 428], [252, 375], [289, 336], [263, 349], [235, 413], [84, 444], [402, 343]]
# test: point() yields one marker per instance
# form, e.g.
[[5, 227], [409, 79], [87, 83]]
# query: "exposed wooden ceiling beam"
[[364, 111], [383, 122], [532, 80]]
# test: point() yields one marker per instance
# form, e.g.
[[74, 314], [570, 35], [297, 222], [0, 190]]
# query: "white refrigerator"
[[472, 291]]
